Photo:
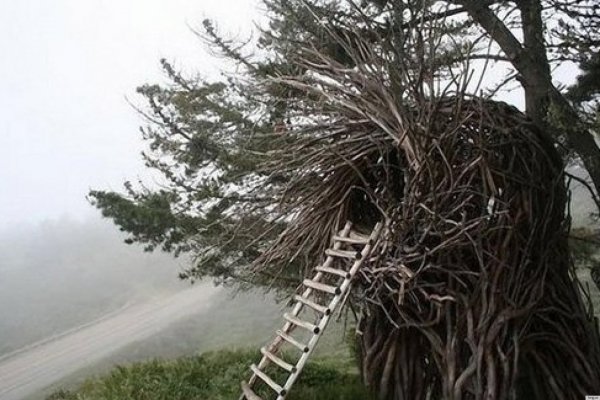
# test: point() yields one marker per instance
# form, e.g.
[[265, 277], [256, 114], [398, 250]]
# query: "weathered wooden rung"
[[266, 379], [358, 236], [344, 253], [302, 347], [278, 361], [352, 240], [317, 307], [303, 324], [321, 287], [248, 393], [334, 271]]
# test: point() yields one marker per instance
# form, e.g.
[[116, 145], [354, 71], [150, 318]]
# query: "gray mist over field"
[[58, 275], [75, 300]]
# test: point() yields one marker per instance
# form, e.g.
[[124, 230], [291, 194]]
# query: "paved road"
[[36, 367]]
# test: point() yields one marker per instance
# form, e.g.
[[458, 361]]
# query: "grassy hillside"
[[214, 376], [250, 319]]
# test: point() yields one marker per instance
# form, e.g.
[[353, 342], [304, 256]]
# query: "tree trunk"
[[579, 138], [540, 94], [536, 85], [546, 106]]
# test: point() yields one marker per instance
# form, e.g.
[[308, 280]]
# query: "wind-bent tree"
[[255, 167]]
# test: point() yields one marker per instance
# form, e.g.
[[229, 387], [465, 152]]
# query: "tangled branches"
[[474, 285], [472, 294]]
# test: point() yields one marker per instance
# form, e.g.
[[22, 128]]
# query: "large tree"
[[245, 183]]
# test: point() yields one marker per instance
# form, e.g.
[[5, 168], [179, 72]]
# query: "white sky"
[[66, 67]]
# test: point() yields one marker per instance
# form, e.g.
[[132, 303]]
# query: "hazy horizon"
[[69, 71], [63, 274]]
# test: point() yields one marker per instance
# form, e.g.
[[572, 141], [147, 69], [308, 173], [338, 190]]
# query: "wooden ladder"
[[332, 280]]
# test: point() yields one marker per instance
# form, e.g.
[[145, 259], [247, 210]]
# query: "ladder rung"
[[303, 324], [248, 393], [312, 304], [352, 240], [276, 360], [358, 236], [343, 253], [334, 271], [321, 287], [280, 391], [304, 348]]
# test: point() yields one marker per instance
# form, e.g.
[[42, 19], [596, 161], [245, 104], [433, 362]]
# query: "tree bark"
[[537, 99], [531, 61]]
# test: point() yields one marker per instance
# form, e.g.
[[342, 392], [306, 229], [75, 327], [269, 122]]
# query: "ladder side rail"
[[308, 291], [268, 380], [328, 261], [247, 393], [344, 287], [274, 346], [311, 346], [365, 254], [288, 326], [325, 319]]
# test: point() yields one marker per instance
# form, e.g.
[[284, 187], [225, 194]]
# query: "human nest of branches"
[[471, 293]]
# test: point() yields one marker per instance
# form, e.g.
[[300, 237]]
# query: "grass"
[[213, 376]]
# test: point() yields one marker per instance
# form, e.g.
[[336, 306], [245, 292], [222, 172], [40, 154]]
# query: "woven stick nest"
[[472, 293]]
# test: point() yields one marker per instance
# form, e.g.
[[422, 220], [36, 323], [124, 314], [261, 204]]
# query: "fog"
[[74, 284], [58, 275], [582, 207]]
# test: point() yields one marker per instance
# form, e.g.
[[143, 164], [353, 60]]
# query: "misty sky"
[[66, 69]]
